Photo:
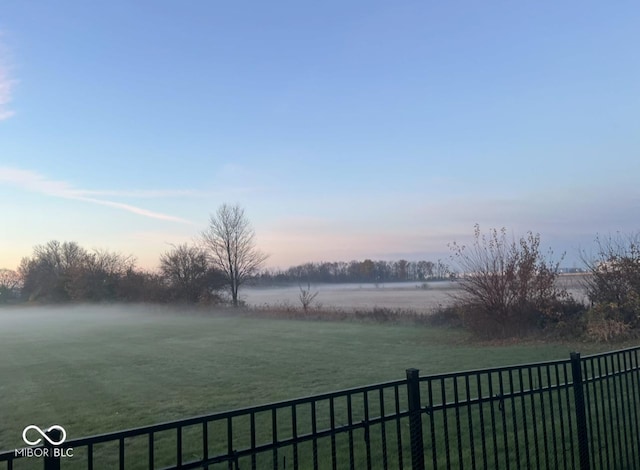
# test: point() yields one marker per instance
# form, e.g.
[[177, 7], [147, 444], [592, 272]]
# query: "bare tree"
[[66, 271], [230, 244], [9, 284], [306, 296], [187, 270], [97, 278], [48, 274]]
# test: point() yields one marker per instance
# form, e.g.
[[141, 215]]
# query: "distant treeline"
[[67, 272], [357, 271]]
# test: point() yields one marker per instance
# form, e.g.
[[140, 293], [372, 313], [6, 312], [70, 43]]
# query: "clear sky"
[[347, 129]]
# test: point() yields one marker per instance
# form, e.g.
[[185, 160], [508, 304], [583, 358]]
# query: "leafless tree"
[[307, 296], [48, 274], [9, 283], [230, 244], [98, 276], [66, 271], [188, 273]]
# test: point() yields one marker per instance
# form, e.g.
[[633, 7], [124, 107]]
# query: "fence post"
[[581, 414], [51, 461], [415, 419]]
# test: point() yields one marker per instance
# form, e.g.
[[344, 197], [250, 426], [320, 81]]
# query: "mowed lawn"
[[99, 369]]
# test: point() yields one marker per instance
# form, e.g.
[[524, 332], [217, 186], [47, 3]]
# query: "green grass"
[[95, 370]]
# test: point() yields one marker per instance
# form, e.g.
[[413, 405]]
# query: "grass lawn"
[[101, 369]]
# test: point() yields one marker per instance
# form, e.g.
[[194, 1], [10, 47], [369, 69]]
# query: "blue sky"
[[346, 129]]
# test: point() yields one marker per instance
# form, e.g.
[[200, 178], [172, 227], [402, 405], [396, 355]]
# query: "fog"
[[419, 296], [32, 322]]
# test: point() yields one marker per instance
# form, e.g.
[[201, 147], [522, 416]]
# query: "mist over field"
[[423, 297]]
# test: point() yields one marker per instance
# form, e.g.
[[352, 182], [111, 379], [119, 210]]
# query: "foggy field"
[[99, 369], [399, 295], [405, 295]]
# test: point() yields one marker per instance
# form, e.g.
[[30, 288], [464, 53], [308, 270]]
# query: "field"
[[417, 296], [100, 369]]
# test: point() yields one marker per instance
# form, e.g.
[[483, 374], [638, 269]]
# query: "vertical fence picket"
[[622, 365], [367, 435], [383, 431], [494, 425], [121, 453], [415, 419], [554, 438], [501, 407], [332, 417], [480, 407], [151, 445], [90, 457], [432, 426], [601, 418], [561, 415], [445, 422], [252, 424], [352, 462], [52, 462], [179, 445], [634, 372], [314, 431], [569, 408], [294, 430], [472, 449], [524, 420], [583, 443], [456, 404], [544, 419], [230, 443], [274, 436], [534, 420], [396, 395]]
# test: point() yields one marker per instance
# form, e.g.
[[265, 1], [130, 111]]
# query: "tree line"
[[370, 271], [211, 269], [222, 258], [67, 272]]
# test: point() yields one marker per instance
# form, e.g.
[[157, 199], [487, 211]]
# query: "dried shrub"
[[606, 323], [508, 287], [613, 285], [451, 316]]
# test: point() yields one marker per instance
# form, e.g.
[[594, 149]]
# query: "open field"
[[99, 369], [418, 296]]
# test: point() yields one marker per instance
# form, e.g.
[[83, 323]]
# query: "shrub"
[[446, 316], [605, 324], [509, 287], [613, 285]]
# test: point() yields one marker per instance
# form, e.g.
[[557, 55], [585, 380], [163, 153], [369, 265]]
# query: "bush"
[[509, 288], [446, 316], [613, 285], [604, 324]]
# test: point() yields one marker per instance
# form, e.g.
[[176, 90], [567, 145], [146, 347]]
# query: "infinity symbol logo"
[[43, 434]]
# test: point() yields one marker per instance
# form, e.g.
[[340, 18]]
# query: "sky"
[[346, 129]]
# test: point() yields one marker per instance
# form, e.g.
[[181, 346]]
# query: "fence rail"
[[573, 413]]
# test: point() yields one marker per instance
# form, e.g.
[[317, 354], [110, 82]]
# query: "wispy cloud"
[[145, 193], [35, 182], [6, 85]]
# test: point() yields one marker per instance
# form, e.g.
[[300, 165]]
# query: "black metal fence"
[[573, 413]]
